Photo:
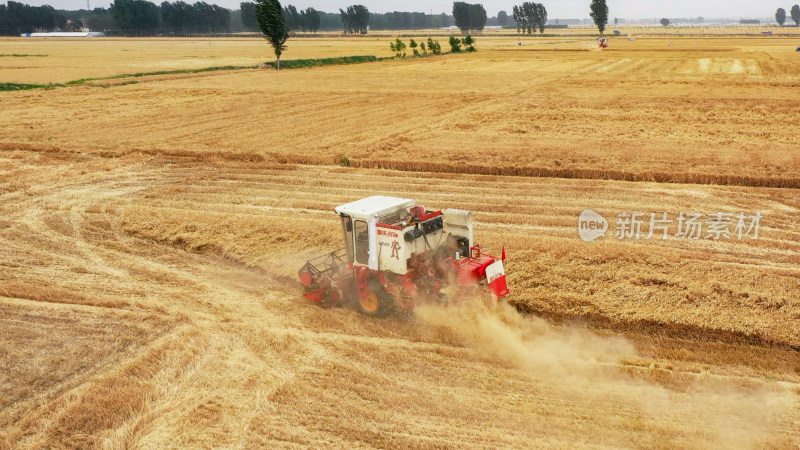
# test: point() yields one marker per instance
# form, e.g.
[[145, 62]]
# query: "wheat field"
[[714, 110], [152, 233]]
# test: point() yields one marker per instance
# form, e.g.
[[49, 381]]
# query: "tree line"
[[142, 14], [275, 22], [530, 17], [357, 19], [354, 19], [398, 20], [308, 19], [182, 15], [16, 17]]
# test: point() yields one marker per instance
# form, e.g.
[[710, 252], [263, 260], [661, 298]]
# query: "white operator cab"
[[359, 223], [379, 235]]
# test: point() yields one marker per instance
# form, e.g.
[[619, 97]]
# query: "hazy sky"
[[566, 9]]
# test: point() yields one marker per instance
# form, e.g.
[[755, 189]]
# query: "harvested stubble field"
[[151, 234]]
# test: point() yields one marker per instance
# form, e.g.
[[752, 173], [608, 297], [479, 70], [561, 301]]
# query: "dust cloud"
[[720, 410], [529, 343]]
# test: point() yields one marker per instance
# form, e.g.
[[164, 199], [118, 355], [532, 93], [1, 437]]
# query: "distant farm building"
[[564, 22]]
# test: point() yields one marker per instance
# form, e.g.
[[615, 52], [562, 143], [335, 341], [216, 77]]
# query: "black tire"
[[379, 304]]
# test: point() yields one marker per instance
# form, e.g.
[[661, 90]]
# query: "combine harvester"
[[397, 255]]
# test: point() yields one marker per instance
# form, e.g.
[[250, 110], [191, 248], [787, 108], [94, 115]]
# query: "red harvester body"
[[397, 255]]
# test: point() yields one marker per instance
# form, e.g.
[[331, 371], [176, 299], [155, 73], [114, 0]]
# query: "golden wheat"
[[607, 115]]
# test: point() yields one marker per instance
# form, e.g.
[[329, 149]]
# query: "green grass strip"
[[304, 63], [160, 72], [19, 55], [24, 87], [288, 64]]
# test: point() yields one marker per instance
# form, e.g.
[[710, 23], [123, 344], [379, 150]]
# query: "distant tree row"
[[16, 18], [99, 20], [469, 16], [142, 14], [780, 15], [308, 19], [502, 18], [530, 17], [398, 20], [355, 19], [312, 20], [305, 19], [134, 14], [183, 15]]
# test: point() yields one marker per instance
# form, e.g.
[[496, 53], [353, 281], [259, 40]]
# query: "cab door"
[[361, 236], [347, 229]]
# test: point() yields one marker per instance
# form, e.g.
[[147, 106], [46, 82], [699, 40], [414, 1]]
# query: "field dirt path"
[[157, 303]]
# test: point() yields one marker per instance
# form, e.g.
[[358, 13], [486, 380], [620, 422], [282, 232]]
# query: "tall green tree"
[[355, 19], [291, 18], [478, 18], [361, 18], [780, 16], [530, 17], [540, 14], [311, 20], [665, 22], [599, 13], [270, 19], [502, 18], [795, 12], [519, 17], [469, 16], [529, 10]]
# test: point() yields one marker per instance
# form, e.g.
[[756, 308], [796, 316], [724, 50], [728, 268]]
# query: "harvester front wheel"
[[377, 304]]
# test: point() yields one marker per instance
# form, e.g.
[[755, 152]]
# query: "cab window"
[[362, 242], [347, 228]]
